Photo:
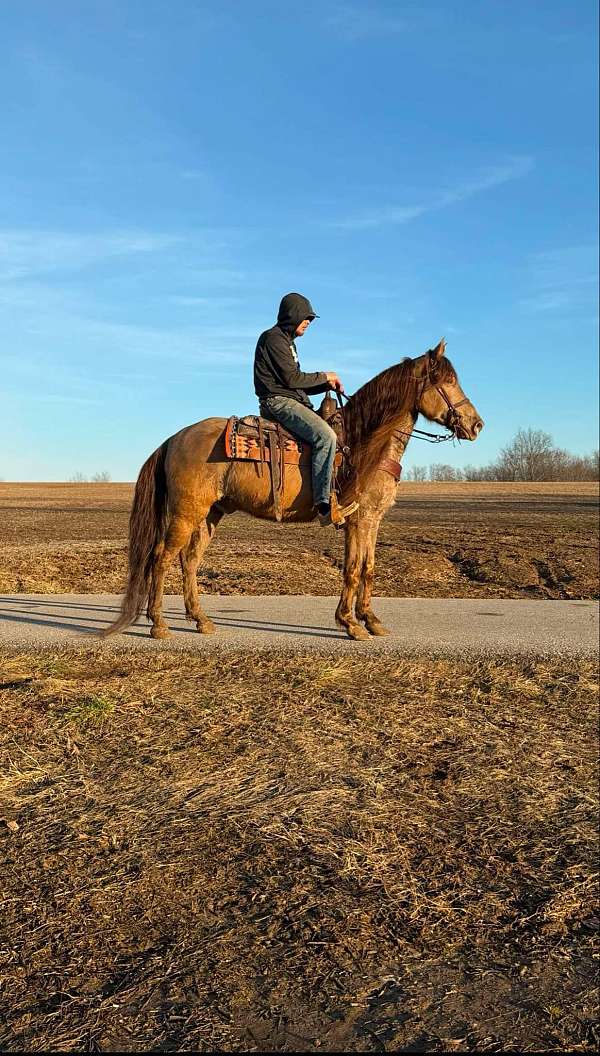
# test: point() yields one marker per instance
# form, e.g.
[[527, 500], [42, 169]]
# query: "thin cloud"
[[575, 265], [562, 279], [66, 337], [193, 174], [24, 254], [484, 180], [549, 301], [204, 302], [49, 397], [352, 22], [201, 346], [218, 276]]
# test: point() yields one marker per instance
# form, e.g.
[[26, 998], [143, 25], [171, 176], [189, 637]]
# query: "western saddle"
[[256, 439]]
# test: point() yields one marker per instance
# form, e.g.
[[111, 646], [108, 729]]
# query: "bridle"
[[452, 422], [453, 419]]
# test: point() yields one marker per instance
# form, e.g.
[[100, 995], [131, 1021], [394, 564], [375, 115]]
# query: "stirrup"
[[337, 514]]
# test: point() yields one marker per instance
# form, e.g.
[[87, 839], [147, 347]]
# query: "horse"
[[188, 485]]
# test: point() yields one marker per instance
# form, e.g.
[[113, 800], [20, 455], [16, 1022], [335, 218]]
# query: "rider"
[[281, 387]]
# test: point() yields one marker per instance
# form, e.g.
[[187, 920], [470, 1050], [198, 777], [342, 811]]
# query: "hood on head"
[[292, 310]]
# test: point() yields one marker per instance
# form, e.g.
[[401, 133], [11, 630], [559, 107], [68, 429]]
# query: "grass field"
[[248, 854], [441, 540]]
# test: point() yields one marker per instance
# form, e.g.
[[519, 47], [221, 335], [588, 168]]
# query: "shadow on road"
[[79, 624]]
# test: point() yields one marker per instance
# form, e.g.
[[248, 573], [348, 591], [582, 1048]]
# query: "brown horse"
[[188, 484]]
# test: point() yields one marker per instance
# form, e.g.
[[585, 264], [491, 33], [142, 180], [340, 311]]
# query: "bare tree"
[[443, 472], [78, 478], [529, 456], [101, 478], [584, 467], [418, 473], [481, 472]]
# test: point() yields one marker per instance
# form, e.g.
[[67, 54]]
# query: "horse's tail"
[[146, 529]]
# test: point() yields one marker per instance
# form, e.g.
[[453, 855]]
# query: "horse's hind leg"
[[178, 535], [364, 612], [190, 557], [353, 561]]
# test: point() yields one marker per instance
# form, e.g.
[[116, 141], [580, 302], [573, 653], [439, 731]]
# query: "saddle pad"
[[242, 441]]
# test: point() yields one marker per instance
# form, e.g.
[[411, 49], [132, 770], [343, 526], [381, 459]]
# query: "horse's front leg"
[[353, 561], [364, 612]]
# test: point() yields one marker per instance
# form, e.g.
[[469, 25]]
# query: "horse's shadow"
[[11, 612]]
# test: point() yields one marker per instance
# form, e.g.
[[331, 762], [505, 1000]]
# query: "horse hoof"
[[378, 629], [205, 627], [160, 631], [358, 633]]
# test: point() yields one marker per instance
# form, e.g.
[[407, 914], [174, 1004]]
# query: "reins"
[[430, 438], [422, 434]]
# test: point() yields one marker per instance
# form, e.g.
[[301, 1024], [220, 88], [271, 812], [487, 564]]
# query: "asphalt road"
[[424, 625]]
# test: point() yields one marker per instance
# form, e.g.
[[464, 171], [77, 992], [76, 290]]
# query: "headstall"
[[420, 434]]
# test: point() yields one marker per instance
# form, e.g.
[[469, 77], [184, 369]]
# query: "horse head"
[[441, 398]]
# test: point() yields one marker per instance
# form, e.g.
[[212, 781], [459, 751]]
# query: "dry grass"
[[442, 540], [244, 853]]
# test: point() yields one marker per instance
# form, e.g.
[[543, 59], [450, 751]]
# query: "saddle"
[[256, 439], [267, 443]]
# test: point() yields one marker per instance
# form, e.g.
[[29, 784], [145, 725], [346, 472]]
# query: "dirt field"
[[441, 540], [245, 854]]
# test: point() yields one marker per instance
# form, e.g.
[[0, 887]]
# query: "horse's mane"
[[371, 414]]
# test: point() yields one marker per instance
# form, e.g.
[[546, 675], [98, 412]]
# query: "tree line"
[[530, 456], [98, 478]]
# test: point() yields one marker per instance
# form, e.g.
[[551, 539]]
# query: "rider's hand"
[[333, 381]]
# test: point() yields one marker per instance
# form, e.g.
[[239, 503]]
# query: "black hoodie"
[[276, 367]]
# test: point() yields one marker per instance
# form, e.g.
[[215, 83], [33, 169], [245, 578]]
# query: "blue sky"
[[170, 170]]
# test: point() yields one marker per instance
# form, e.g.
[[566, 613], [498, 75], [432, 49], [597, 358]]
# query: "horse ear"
[[439, 350]]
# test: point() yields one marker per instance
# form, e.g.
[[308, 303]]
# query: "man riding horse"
[[282, 387], [195, 478]]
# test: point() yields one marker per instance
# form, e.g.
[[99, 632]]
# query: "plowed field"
[[440, 540]]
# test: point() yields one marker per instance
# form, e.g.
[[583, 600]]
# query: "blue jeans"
[[307, 425]]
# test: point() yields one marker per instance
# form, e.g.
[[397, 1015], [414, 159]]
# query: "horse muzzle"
[[467, 429]]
